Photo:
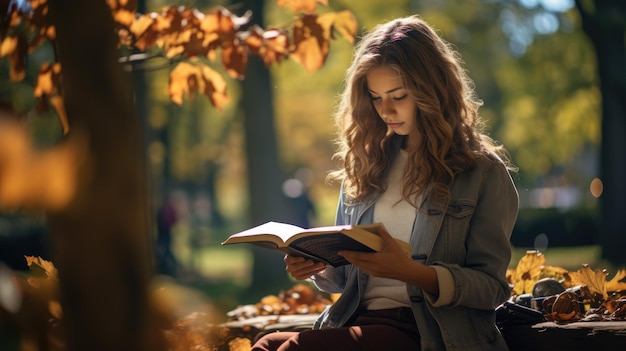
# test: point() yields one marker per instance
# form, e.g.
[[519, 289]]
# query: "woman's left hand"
[[391, 262]]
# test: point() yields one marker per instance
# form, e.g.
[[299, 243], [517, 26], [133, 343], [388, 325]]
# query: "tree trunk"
[[100, 241], [265, 177], [605, 25]]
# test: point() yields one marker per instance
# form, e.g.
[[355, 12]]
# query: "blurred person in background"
[[166, 218]]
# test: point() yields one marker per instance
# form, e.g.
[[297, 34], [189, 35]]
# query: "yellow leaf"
[[615, 284], [594, 280], [527, 272], [558, 273]]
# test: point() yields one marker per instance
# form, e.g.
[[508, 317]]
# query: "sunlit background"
[[532, 65]]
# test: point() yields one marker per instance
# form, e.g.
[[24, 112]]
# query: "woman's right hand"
[[301, 268]]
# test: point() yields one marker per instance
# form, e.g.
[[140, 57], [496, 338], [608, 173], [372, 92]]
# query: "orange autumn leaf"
[[271, 45], [39, 23], [48, 80], [235, 60], [595, 280], [188, 79], [124, 17], [46, 88], [123, 11], [179, 33], [59, 106], [38, 179], [311, 40], [8, 45], [346, 24], [183, 79], [142, 29], [527, 272], [306, 6], [41, 268], [183, 36], [312, 35], [223, 23], [14, 46], [276, 48]]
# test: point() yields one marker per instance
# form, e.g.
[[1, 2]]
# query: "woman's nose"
[[386, 108]]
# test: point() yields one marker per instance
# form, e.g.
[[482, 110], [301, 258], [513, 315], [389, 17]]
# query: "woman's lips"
[[394, 125]]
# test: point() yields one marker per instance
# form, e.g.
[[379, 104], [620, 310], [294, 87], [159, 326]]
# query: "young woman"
[[413, 157]]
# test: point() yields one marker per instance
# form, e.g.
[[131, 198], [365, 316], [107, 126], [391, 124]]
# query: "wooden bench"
[[544, 336], [576, 336]]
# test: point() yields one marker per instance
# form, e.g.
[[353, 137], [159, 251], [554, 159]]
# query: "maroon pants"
[[392, 329]]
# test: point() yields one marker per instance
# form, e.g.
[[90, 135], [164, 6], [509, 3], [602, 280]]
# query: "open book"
[[320, 244]]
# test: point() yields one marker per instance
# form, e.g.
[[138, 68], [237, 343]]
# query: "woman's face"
[[391, 100]]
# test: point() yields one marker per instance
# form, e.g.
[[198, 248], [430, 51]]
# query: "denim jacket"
[[469, 234]]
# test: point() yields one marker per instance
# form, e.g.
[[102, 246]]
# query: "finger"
[[304, 265], [390, 242], [306, 272], [385, 235], [291, 259]]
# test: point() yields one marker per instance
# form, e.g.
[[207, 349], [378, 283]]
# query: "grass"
[[571, 257]]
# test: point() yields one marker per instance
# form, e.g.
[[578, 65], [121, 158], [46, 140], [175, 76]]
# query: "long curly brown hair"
[[447, 114]]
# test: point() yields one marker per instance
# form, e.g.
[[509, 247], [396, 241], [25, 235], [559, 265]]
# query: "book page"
[[281, 230]]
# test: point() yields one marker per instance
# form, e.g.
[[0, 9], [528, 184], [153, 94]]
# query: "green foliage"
[[552, 110]]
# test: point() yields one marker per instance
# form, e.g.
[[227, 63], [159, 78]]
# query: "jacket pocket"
[[454, 230], [461, 208]]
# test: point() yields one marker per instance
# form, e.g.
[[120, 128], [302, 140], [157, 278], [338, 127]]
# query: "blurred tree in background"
[[604, 22]]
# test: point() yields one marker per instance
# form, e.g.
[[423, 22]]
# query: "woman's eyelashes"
[[400, 98]]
